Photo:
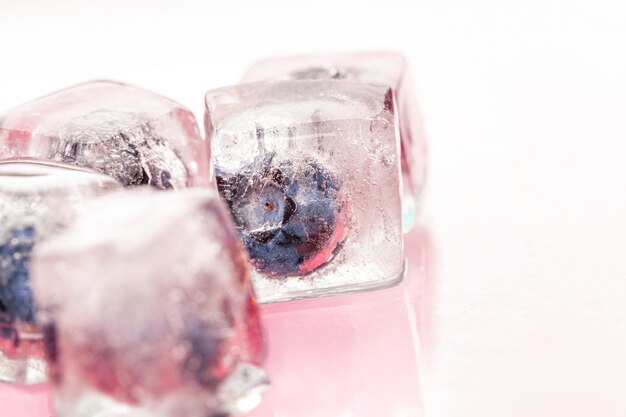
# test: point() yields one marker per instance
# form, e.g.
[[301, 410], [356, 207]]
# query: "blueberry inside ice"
[[260, 207], [286, 213], [16, 298]]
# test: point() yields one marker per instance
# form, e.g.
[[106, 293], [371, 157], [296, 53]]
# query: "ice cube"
[[386, 68], [311, 173], [149, 309], [36, 201], [133, 135]]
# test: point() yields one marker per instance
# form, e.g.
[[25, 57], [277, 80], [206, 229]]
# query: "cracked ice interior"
[[311, 173], [386, 68], [149, 310], [36, 201], [136, 136]]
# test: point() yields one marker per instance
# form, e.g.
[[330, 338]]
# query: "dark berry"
[[202, 361], [287, 214], [16, 298]]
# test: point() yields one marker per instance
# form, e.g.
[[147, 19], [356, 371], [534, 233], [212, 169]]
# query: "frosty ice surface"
[[36, 201], [311, 173], [133, 135], [385, 68], [149, 309]]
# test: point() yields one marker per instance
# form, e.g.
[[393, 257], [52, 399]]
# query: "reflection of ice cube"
[[311, 172], [133, 135], [36, 201], [369, 67], [149, 308]]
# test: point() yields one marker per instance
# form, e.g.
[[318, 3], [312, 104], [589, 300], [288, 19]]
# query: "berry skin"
[[16, 297], [289, 216], [122, 146]]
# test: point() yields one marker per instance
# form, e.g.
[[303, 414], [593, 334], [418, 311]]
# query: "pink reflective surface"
[[353, 355], [24, 401]]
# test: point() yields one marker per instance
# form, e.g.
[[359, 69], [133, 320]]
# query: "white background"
[[525, 106]]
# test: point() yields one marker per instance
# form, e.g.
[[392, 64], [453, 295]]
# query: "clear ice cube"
[[386, 68], [36, 201], [311, 173], [149, 309], [136, 136]]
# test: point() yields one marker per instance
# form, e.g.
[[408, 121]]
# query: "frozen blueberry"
[[288, 214], [121, 145], [16, 298], [205, 350]]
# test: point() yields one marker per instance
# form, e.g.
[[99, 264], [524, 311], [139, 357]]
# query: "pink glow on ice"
[[25, 400], [339, 234]]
